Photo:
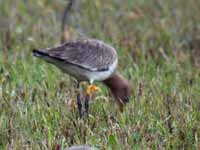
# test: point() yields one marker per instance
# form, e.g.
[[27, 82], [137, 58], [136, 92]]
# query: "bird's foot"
[[91, 88]]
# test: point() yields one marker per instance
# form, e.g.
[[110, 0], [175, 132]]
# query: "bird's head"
[[120, 88]]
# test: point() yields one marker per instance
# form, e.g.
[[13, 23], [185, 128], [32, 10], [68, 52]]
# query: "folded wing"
[[93, 55]]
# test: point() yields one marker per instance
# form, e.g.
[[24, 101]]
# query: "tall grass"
[[158, 46]]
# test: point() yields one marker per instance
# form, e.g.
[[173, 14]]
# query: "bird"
[[89, 60]]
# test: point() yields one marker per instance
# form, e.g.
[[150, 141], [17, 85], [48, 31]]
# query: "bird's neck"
[[116, 81]]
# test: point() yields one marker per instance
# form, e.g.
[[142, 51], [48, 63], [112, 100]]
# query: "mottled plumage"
[[83, 59]]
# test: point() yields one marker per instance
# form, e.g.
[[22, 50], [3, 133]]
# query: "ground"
[[158, 47]]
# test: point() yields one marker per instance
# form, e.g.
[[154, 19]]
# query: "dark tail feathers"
[[39, 53]]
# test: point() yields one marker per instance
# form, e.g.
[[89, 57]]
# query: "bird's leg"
[[87, 98], [91, 88], [79, 100]]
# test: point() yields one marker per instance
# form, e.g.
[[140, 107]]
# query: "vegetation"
[[159, 47]]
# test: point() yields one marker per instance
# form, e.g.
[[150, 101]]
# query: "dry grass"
[[158, 46]]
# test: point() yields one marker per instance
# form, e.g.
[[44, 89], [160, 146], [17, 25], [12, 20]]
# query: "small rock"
[[81, 147]]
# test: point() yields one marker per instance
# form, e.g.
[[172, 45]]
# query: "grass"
[[158, 47]]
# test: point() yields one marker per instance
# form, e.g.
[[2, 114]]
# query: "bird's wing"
[[93, 55]]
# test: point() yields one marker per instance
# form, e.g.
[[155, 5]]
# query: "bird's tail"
[[40, 53], [44, 55]]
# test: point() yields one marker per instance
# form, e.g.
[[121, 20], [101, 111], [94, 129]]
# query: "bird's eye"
[[125, 98]]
